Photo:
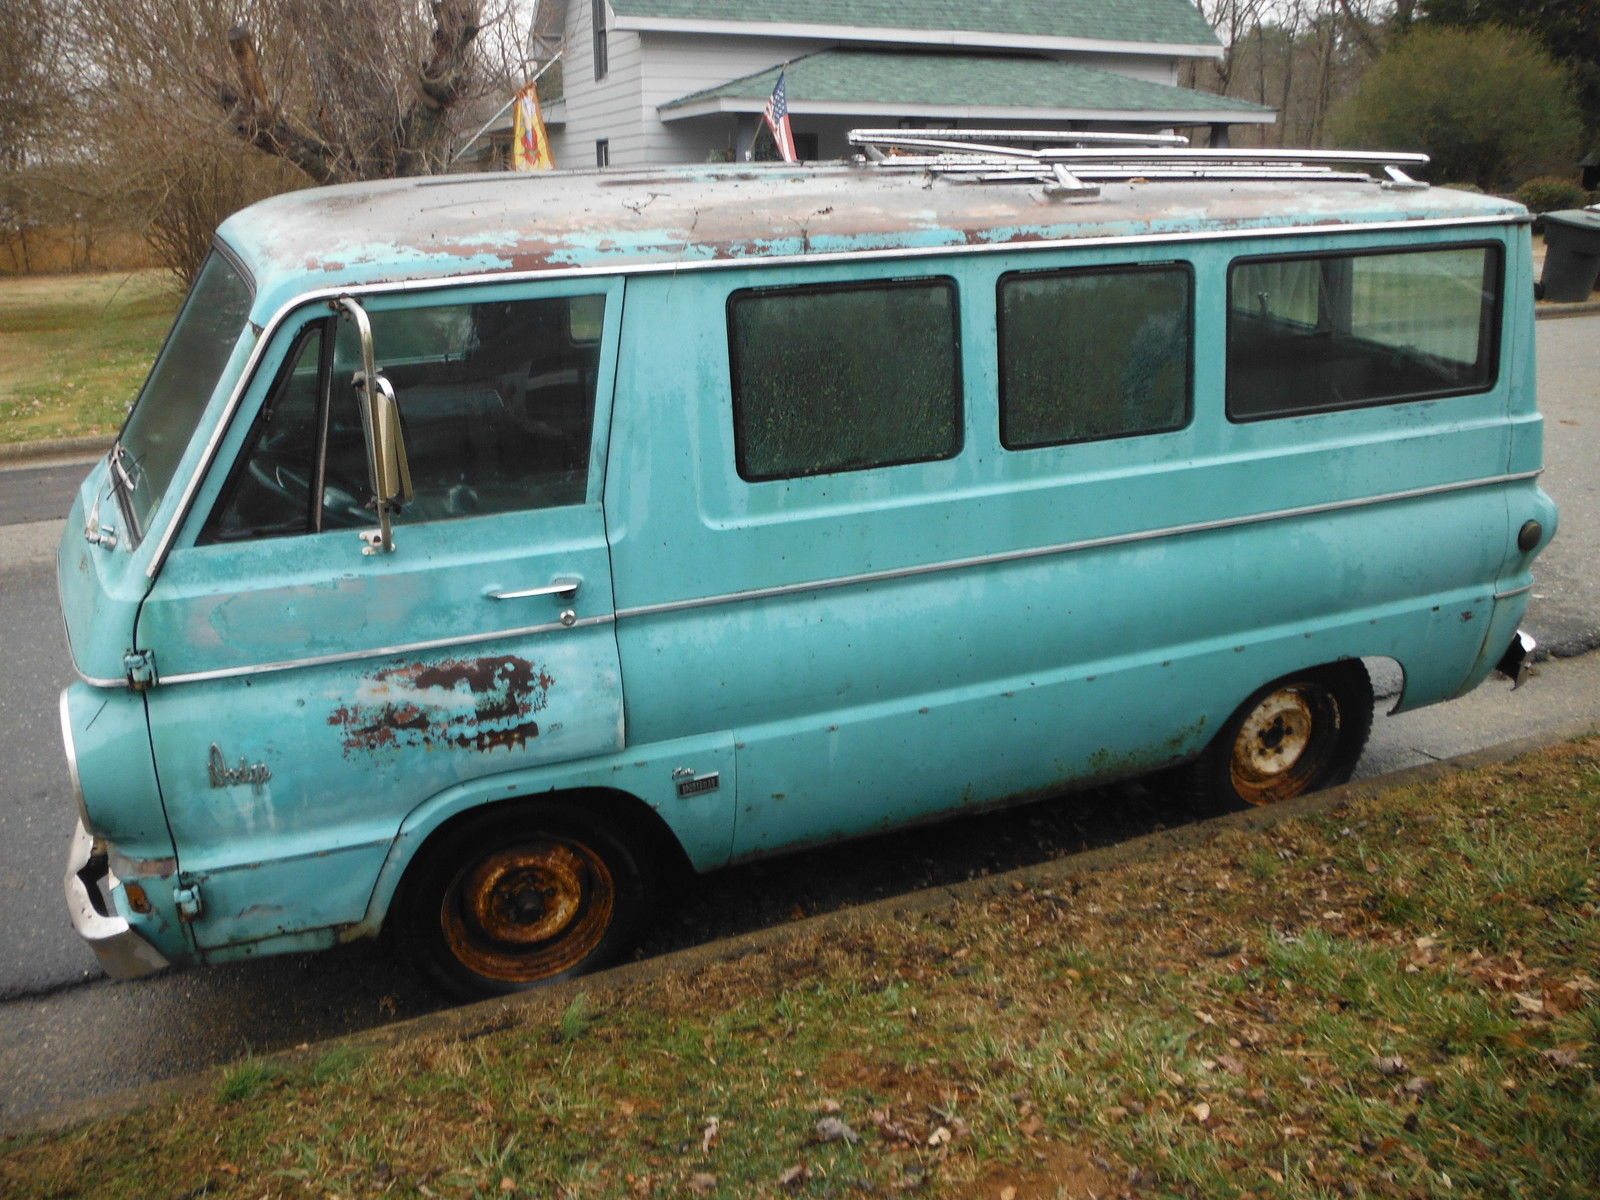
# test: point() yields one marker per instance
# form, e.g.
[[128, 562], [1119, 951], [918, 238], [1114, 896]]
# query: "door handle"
[[563, 589]]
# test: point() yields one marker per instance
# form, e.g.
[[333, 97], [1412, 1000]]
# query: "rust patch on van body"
[[456, 703]]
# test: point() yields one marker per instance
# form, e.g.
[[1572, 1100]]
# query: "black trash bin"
[[1572, 254]]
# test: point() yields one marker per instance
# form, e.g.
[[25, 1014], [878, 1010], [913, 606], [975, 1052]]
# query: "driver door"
[[309, 693]]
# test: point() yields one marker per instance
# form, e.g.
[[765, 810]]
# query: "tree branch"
[[1362, 27], [441, 83], [258, 122]]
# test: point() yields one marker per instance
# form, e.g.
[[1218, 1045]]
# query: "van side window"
[[496, 405], [844, 378], [1330, 331], [1090, 354]]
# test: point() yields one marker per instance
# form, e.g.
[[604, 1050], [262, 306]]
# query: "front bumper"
[[122, 949]]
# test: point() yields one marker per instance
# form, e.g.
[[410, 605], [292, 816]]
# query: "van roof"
[[440, 228]]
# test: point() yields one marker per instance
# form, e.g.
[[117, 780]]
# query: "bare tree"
[[1233, 20], [341, 89], [1301, 57], [34, 93]]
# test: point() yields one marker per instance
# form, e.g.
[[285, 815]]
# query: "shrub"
[[1550, 193], [1488, 104]]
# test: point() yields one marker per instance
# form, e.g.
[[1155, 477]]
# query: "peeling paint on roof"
[[416, 231]]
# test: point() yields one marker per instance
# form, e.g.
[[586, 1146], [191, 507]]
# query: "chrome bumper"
[[1518, 659], [122, 949]]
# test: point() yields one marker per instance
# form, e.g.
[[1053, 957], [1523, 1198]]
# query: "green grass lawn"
[[1392, 997], [74, 350]]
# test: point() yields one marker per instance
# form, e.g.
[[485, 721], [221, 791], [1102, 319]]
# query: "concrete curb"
[[475, 1020], [24, 454], [1544, 311]]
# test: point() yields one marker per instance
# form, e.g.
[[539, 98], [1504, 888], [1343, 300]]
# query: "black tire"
[[520, 896], [1298, 734]]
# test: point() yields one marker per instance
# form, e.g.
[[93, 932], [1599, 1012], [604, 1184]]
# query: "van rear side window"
[[831, 378], [1331, 331], [1090, 354]]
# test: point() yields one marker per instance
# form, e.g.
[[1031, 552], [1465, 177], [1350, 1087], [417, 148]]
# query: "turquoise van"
[[483, 547]]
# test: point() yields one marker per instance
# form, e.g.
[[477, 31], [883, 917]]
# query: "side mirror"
[[393, 484], [387, 468]]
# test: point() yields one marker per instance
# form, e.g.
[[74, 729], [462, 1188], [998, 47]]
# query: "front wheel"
[[1299, 734], [519, 897]]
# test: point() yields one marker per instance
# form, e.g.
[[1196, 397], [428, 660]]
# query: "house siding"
[[677, 65], [1155, 68], [608, 108], [647, 70]]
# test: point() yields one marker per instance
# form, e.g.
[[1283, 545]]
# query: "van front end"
[[122, 884]]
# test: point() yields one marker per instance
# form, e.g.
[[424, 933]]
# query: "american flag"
[[777, 117]]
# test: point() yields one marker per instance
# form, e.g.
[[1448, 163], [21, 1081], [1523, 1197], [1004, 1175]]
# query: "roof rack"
[[1073, 163]]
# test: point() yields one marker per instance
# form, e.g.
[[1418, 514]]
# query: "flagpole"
[[501, 111], [784, 142]]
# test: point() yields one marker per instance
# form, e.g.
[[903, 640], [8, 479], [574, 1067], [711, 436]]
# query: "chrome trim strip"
[[92, 681], [169, 532], [384, 652], [1521, 591], [1121, 539], [790, 589], [70, 744]]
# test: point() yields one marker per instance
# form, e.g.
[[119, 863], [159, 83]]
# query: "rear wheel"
[[519, 897], [1299, 734]]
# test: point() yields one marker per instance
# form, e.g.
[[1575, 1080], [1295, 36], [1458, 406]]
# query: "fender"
[[700, 820]]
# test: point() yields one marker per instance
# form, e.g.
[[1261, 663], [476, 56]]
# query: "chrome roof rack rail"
[[1073, 163]]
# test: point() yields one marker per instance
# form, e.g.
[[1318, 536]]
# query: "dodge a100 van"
[[482, 546]]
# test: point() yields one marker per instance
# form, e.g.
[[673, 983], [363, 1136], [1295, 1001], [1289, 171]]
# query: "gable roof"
[[919, 84], [1168, 25]]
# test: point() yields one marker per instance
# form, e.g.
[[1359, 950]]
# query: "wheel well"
[[1388, 675], [630, 817]]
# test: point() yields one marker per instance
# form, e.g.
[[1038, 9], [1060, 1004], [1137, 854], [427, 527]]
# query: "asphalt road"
[[32, 494], [66, 1033], [1565, 609]]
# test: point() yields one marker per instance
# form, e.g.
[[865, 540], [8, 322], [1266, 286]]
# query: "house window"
[[831, 378], [602, 152], [1090, 354], [600, 63]]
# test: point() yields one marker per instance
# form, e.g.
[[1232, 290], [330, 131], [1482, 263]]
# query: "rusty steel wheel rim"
[[1280, 746], [530, 911]]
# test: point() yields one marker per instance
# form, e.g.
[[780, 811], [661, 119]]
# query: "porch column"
[[744, 138]]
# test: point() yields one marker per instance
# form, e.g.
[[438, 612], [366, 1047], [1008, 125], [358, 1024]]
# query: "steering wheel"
[[285, 475]]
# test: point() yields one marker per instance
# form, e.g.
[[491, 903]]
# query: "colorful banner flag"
[[530, 144], [777, 118]]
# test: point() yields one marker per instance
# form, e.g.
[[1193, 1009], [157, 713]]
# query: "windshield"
[[186, 372]]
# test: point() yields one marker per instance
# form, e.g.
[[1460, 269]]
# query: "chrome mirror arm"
[[381, 539]]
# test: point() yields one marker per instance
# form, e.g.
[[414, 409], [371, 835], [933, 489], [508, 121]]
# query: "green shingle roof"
[[1174, 22], [964, 80]]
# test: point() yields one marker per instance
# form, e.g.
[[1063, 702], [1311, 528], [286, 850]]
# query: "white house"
[[664, 81]]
